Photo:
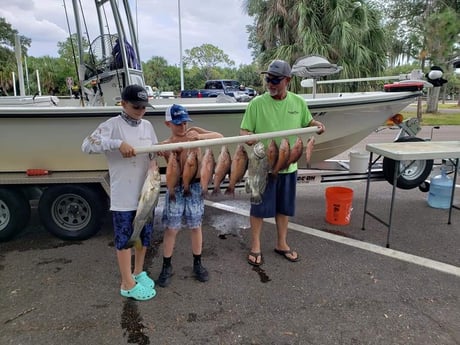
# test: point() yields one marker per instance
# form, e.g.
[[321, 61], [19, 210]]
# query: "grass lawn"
[[449, 117]]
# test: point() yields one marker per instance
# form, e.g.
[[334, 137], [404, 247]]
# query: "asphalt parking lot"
[[347, 289]]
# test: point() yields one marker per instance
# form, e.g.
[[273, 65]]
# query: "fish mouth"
[[259, 150]]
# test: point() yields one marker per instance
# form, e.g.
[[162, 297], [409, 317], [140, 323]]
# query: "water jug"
[[440, 190]]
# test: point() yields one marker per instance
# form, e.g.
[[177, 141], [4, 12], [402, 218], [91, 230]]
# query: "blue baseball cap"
[[177, 114]]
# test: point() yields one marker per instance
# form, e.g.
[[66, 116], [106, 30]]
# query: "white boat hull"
[[50, 138]]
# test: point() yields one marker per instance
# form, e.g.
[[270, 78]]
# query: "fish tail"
[[138, 243], [247, 186], [129, 245], [256, 199]]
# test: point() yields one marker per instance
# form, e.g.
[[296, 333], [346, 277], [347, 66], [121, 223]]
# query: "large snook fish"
[[257, 173], [148, 200], [237, 168]]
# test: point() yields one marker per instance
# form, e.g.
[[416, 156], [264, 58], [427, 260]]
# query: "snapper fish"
[[237, 169], [272, 154], [208, 164], [148, 200], [296, 151], [190, 171], [256, 181], [309, 149], [283, 156], [223, 165], [172, 175]]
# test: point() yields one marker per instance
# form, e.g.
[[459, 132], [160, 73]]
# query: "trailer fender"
[[14, 213], [72, 212]]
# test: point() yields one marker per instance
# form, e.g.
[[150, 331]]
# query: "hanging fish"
[[309, 149], [296, 151], [283, 156], [223, 165], [208, 164], [190, 170], [237, 168], [172, 175], [256, 181], [272, 154]]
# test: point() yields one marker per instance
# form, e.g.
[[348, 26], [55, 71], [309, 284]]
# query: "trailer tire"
[[72, 212], [14, 213], [414, 176]]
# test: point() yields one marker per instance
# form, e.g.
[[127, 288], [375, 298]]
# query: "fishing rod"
[[225, 141]]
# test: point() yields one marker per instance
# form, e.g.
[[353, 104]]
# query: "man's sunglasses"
[[274, 81]]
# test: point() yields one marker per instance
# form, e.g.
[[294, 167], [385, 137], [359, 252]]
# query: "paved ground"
[[348, 288]]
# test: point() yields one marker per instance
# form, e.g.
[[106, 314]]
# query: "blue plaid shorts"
[[189, 209]]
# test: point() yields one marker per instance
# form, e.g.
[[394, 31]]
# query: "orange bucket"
[[338, 205]]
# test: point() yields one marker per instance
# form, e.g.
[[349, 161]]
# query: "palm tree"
[[346, 32]]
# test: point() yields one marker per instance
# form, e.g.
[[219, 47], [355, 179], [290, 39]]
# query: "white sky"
[[221, 23]]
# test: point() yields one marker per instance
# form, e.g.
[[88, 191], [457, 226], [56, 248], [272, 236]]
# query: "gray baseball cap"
[[278, 68]]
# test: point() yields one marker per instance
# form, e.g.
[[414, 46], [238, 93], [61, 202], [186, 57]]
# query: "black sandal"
[[256, 256]]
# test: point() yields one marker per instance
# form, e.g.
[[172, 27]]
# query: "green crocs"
[[144, 279], [139, 293]]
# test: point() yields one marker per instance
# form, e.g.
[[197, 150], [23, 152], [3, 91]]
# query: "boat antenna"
[[73, 50], [119, 81], [91, 53]]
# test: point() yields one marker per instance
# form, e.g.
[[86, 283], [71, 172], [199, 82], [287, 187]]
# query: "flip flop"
[[144, 279], [139, 292], [285, 254], [256, 256]]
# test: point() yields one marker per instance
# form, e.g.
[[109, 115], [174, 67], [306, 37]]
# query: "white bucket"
[[359, 162]]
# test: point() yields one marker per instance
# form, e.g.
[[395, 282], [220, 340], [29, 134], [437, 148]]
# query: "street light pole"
[[180, 49]]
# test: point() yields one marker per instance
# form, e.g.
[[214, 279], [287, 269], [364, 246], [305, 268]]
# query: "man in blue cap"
[[187, 207]]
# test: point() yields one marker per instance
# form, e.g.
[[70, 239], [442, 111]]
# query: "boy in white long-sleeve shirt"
[[116, 138]]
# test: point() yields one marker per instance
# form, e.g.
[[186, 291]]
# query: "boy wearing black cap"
[[116, 138], [185, 207]]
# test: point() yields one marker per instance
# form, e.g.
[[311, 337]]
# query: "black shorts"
[[279, 197]]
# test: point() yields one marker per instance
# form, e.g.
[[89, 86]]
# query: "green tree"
[[424, 30], [206, 57], [7, 54], [249, 75], [348, 33]]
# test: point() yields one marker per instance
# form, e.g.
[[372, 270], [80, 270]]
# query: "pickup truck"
[[214, 88]]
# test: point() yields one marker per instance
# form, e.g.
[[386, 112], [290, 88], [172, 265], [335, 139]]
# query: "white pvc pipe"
[[224, 141]]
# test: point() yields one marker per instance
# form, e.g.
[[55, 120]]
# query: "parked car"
[[214, 88], [150, 93]]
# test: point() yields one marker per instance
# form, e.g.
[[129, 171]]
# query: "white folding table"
[[410, 151]]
